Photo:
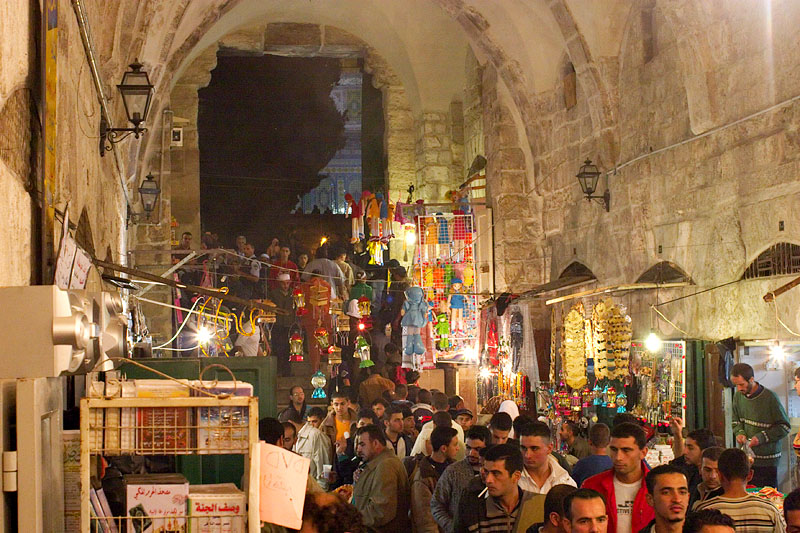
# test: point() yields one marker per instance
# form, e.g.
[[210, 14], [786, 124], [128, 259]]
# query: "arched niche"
[[664, 272]]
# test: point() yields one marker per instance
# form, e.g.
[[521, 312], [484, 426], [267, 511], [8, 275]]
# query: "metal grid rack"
[[664, 382], [167, 426], [445, 252]]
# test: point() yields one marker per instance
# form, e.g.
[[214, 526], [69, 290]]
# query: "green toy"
[[442, 328]]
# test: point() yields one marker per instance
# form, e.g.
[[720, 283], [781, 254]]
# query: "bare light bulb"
[[203, 336], [776, 351], [411, 237], [485, 373], [653, 342]]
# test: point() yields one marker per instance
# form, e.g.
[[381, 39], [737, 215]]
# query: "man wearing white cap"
[[281, 296]]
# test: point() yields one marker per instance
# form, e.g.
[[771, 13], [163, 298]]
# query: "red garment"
[[643, 513], [355, 208], [276, 269]]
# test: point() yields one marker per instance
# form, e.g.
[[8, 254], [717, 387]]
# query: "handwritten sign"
[[282, 485]]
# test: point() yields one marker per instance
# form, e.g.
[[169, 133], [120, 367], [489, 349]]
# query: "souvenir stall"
[[597, 372], [444, 269], [508, 364]]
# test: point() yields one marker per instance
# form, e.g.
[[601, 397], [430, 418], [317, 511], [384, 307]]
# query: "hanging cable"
[[183, 324]]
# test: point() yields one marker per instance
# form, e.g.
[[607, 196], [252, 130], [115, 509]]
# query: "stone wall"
[[709, 205]]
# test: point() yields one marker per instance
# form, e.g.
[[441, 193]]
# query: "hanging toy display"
[[457, 304], [442, 329], [415, 317], [296, 347], [318, 381], [299, 301], [356, 218], [334, 355], [363, 351], [622, 401]]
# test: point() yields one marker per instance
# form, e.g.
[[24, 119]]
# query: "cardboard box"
[[157, 502], [217, 508]]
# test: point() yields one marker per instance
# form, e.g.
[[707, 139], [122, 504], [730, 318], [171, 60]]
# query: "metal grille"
[[782, 258]]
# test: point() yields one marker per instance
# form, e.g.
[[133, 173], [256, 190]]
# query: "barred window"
[[782, 258]]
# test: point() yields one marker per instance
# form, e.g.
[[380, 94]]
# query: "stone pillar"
[[518, 235], [434, 157], [186, 159]]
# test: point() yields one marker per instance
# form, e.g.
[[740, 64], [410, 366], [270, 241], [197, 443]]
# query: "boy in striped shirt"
[[751, 513]]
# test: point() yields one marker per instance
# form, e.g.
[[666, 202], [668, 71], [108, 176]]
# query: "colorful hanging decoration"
[[299, 301], [573, 347], [322, 336], [442, 329], [622, 401], [318, 381], [364, 306], [612, 340], [296, 347], [363, 352], [334, 355], [319, 294]]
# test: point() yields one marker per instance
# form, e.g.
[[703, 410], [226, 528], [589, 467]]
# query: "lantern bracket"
[[109, 136]]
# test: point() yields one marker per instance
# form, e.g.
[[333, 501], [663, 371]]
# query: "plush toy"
[[415, 317], [457, 304], [442, 329], [356, 219]]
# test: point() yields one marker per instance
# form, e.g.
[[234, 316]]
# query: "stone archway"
[[400, 133]]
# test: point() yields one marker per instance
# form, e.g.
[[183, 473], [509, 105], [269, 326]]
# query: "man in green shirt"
[[759, 420]]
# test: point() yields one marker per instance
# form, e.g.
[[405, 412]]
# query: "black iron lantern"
[[149, 191], [588, 177], [137, 93]]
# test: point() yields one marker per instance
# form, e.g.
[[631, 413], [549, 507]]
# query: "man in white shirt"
[[439, 404], [314, 445], [329, 271], [250, 340], [542, 470]]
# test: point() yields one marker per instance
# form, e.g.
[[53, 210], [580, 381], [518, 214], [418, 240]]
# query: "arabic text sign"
[[282, 484]]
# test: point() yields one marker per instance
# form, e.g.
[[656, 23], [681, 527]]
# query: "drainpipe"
[[88, 48]]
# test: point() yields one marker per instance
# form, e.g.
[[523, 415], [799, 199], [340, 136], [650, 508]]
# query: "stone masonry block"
[[283, 33]]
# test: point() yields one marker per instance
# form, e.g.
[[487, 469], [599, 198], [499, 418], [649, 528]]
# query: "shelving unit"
[[167, 426]]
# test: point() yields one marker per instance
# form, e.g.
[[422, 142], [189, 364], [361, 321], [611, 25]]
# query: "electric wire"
[[183, 324]]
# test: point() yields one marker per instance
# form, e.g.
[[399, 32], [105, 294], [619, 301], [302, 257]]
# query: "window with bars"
[[782, 258]]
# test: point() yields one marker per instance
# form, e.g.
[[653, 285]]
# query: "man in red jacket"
[[623, 486]]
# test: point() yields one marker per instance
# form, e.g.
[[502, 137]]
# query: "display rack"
[[446, 253], [167, 426]]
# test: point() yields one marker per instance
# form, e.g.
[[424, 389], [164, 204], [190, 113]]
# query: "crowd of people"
[[273, 275], [410, 459]]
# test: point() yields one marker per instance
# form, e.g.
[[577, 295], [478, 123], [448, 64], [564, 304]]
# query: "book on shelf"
[[223, 428], [163, 429], [105, 509]]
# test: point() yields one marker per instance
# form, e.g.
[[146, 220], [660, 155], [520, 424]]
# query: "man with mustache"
[[668, 494]]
